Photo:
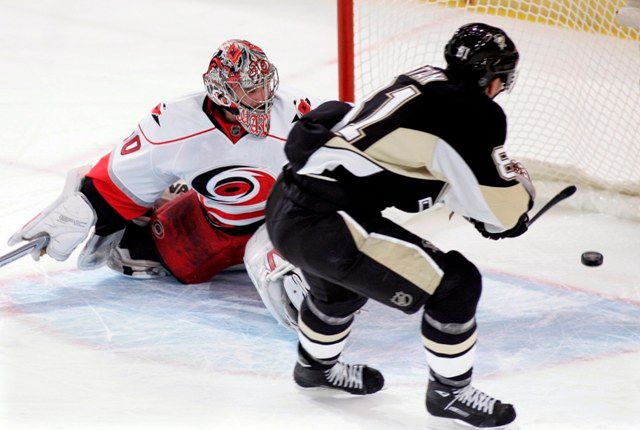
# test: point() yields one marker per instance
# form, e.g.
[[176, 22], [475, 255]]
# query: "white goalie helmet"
[[241, 79]]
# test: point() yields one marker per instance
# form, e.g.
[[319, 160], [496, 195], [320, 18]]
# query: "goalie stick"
[[566, 193], [36, 244]]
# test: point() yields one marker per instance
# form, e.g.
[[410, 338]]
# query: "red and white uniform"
[[177, 140], [230, 171]]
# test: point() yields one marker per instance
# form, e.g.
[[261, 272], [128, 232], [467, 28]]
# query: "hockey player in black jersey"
[[432, 135]]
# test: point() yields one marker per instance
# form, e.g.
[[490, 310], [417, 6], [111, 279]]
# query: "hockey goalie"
[[183, 193]]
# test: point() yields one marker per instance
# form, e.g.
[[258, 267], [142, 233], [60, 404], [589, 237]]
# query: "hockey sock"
[[450, 350], [322, 337]]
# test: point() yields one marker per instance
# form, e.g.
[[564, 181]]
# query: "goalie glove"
[[67, 221], [521, 226]]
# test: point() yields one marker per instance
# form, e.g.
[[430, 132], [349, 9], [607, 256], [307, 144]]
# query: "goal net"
[[574, 114]]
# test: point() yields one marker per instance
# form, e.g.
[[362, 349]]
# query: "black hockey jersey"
[[423, 139]]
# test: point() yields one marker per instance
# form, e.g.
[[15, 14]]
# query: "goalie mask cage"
[[574, 113]]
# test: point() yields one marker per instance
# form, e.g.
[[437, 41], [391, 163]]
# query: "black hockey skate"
[[468, 406], [352, 378]]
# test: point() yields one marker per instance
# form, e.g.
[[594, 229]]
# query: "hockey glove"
[[521, 226], [67, 221]]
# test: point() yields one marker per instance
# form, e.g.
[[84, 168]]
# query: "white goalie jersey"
[[232, 171]]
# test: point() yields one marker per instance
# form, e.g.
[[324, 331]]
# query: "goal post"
[[574, 114], [346, 84]]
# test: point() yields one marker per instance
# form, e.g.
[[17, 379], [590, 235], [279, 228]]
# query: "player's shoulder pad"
[[176, 120]]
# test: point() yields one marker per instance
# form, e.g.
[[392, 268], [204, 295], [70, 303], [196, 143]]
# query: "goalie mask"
[[478, 53], [241, 79]]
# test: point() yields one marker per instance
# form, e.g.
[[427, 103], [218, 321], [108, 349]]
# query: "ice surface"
[[94, 350]]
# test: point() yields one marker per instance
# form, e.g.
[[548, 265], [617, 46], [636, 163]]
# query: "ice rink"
[[95, 350]]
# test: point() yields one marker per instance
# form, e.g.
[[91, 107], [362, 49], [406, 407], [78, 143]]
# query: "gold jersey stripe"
[[387, 152], [507, 204], [322, 337], [406, 152], [403, 258], [442, 348]]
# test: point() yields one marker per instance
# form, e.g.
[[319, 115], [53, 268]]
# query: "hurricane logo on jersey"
[[303, 107], [234, 195]]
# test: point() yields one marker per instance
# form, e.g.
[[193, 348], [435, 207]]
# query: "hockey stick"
[[35, 245], [566, 193]]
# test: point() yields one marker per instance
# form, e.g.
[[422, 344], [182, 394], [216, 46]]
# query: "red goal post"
[[346, 84], [574, 114]]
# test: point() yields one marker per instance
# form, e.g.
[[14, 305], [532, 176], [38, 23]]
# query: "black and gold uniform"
[[432, 135]]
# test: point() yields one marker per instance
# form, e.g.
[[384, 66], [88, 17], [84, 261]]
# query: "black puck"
[[592, 258]]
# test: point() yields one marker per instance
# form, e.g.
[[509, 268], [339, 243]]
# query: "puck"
[[592, 258]]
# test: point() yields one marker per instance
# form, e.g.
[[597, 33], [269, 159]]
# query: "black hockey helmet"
[[479, 53]]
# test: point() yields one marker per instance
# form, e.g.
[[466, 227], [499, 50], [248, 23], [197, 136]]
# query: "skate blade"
[[439, 423], [334, 392]]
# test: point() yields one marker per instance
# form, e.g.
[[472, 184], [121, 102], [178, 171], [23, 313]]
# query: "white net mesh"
[[574, 115]]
